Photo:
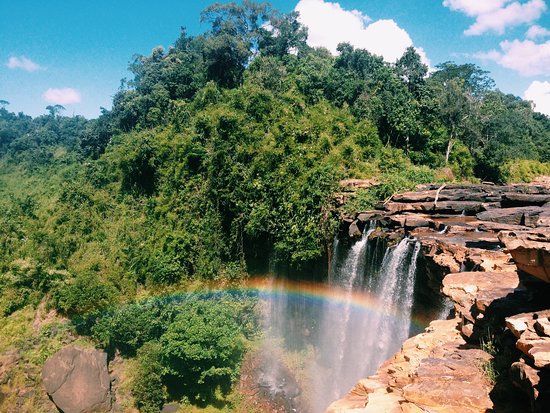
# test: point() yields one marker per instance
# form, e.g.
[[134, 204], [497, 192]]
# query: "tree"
[[148, 388], [412, 70], [203, 347], [3, 104], [55, 110], [283, 34], [476, 80], [456, 109], [232, 39]]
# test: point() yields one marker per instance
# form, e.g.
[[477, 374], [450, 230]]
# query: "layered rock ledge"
[[487, 249]]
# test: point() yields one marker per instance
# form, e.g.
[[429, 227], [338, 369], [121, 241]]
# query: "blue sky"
[[76, 52]]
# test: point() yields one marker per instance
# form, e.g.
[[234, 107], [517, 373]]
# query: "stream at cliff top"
[[321, 338]]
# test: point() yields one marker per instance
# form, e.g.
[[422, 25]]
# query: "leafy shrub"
[[203, 348], [83, 294], [147, 385], [128, 327], [524, 170]]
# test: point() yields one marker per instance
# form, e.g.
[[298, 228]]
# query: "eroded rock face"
[[473, 292], [530, 250], [77, 380], [434, 371], [474, 240], [532, 331]]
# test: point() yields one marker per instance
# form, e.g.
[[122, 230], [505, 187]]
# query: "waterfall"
[[345, 337], [352, 343]]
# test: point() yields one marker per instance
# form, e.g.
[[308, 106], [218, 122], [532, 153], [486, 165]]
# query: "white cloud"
[[64, 96], [524, 56], [539, 93], [535, 32], [329, 24], [23, 63], [497, 15], [474, 8]]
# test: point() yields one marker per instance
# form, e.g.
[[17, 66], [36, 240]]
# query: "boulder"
[[531, 340], [515, 199], [77, 380], [473, 292], [452, 383], [530, 250], [354, 231], [525, 378]]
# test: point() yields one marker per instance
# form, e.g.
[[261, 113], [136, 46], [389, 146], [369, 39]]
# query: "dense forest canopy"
[[226, 148]]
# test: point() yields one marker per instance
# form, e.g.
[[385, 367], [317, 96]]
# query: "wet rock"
[[365, 217], [354, 231], [357, 398], [77, 380]]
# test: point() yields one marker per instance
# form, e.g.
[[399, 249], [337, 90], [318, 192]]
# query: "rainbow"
[[314, 292]]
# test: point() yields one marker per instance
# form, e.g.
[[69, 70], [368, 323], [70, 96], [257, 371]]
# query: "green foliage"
[[127, 328], [197, 338], [203, 348], [226, 148], [148, 388], [523, 170], [83, 294]]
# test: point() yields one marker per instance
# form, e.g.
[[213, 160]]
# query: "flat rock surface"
[[527, 216], [77, 380]]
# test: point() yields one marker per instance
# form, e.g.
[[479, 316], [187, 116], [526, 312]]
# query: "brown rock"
[[473, 292], [434, 371], [542, 325], [77, 380], [357, 183], [456, 207], [530, 250], [516, 199], [526, 378], [522, 322], [451, 384], [354, 231], [527, 216], [417, 221]]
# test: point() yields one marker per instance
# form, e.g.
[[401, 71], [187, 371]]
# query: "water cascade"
[[345, 341], [352, 343]]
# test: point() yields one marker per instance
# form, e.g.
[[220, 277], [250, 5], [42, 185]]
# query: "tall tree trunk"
[[449, 149]]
